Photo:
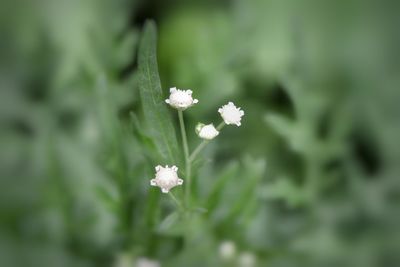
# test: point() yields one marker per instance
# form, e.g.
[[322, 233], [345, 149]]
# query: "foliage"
[[309, 179]]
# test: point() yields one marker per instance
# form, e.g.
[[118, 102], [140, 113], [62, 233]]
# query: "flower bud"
[[206, 132]]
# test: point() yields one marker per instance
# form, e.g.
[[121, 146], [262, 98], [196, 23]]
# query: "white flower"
[[231, 114], [166, 178], [144, 262], [207, 132], [180, 99], [247, 259], [227, 250]]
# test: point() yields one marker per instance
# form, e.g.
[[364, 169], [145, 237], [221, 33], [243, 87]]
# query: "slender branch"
[[188, 182], [177, 202], [183, 133], [203, 144], [187, 161], [220, 126], [198, 149]]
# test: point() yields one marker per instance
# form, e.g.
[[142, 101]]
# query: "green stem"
[[183, 133], [187, 161], [177, 202], [200, 147], [220, 126], [188, 178]]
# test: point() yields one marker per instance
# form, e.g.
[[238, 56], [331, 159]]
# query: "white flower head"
[[231, 114], [207, 132], [247, 259], [227, 250], [144, 262], [180, 99], [166, 178]]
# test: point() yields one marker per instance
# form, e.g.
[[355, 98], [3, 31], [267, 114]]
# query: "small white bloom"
[[247, 259], [180, 99], [207, 132], [166, 178], [227, 250], [231, 114], [144, 262]]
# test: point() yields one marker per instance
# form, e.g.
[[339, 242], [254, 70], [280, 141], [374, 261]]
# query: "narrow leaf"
[[280, 124], [156, 114]]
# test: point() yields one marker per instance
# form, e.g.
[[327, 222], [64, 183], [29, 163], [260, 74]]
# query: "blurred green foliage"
[[311, 178]]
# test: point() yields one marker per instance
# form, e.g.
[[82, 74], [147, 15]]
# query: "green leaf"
[[254, 170], [159, 123], [280, 124], [284, 189], [215, 195]]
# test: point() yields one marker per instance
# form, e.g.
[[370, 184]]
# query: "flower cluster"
[[166, 177]]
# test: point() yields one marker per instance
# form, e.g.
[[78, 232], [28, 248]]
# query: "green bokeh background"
[[311, 178]]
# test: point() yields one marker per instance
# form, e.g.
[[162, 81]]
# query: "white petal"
[[153, 182]]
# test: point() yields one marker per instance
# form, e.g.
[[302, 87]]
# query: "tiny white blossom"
[[231, 114], [166, 178], [180, 99], [207, 132], [144, 262], [227, 250], [247, 259]]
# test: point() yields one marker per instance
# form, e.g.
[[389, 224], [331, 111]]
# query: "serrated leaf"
[[158, 121]]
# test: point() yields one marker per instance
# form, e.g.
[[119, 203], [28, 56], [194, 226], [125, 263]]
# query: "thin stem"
[[177, 202], [183, 133], [220, 126], [203, 144], [198, 149], [188, 182], [187, 161]]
